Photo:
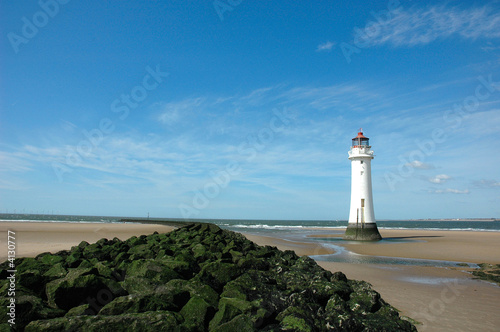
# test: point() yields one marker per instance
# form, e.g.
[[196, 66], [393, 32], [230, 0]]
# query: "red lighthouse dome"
[[360, 140]]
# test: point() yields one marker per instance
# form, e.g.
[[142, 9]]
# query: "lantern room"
[[360, 140]]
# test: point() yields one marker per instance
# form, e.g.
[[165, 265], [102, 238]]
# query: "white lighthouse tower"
[[361, 224]]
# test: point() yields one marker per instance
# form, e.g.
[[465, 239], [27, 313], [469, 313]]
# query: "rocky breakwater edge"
[[195, 278]]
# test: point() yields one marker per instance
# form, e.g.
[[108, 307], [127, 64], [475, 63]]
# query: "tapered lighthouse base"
[[362, 232]]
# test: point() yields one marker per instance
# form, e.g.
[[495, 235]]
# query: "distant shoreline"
[[187, 221], [450, 219], [207, 220]]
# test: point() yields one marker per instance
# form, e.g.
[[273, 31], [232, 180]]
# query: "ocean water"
[[263, 226], [277, 225]]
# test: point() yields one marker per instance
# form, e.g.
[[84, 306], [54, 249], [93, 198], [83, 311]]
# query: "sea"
[[304, 231], [266, 226]]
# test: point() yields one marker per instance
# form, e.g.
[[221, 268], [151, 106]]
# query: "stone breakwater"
[[195, 278]]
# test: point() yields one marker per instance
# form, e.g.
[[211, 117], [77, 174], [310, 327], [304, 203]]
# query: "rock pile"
[[196, 278]]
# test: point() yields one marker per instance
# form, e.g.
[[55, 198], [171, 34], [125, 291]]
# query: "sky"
[[246, 109]]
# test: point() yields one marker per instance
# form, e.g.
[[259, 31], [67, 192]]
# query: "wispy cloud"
[[441, 178], [326, 46], [13, 162], [419, 165], [173, 111], [418, 26], [450, 191], [487, 183], [489, 47]]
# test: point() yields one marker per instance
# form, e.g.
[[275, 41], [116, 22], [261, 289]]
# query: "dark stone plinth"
[[362, 232]]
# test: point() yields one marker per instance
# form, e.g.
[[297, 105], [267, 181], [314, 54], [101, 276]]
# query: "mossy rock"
[[81, 286], [138, 285], [296, 324], [488, 272], [152, 270], [74, 258], [49, 259], [135, 241], [337, 304], [55, 272], [195, 289], [120, 257], [161, 300], [217, 274], [5, 327], [147, 321], [240, 323], [228, 309], [249, 262], [197, 314], [29, 308], [81, 310], [199, 250], [143, 251], [85, 264], [104, 270], [385, 319], [364, 299], [30, 264], [185, 269], [95, 250], [33, 280]]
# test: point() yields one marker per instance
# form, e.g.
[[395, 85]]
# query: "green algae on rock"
[[195, 278], [488, 272]]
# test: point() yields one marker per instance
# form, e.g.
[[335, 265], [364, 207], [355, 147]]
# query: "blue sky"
[[246, 109]]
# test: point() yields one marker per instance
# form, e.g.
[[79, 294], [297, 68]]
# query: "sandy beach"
[[35, 238], [442, 299]]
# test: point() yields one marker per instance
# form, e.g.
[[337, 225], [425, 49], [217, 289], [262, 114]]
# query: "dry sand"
[[34, 238], [442, 299]]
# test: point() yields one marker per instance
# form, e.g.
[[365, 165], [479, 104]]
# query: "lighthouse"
[[361, 224]]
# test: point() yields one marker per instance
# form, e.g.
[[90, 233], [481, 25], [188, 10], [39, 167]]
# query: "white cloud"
[[327, 46], [450, 191], [411, 27], [170, 116], [172, 112], [419, 165], [441, 178]]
